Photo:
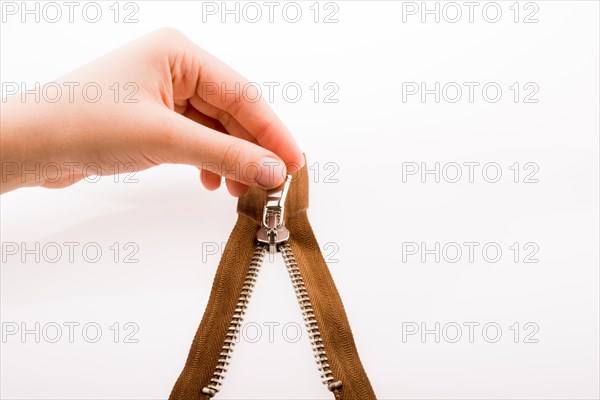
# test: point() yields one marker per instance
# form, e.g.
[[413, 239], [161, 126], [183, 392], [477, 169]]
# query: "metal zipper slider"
[[273, 233], [273, 230]]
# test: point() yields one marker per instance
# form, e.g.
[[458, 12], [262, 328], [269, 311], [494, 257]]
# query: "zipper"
[[273, 237], [310, 319], [236, 322]]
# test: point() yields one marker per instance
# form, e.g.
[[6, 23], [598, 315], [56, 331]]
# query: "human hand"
[[185, 112]]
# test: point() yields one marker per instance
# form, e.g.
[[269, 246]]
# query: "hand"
[[184, 107]]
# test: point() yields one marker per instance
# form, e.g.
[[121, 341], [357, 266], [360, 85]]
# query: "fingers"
[[227, 90], [210, 180], [232, 126], [233, 98], [236, 189], [204, 119], [187, 142]]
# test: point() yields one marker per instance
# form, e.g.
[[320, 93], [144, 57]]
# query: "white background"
[[367, 214]]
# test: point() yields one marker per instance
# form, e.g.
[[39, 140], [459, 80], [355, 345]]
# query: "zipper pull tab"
[[273, 230]]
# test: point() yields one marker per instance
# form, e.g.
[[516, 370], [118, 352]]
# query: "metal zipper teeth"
[[310, 319], [236, 322]]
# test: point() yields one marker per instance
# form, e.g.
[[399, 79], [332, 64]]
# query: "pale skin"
[[185, 111]]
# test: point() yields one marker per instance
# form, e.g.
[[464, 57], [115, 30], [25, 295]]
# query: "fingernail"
[[271, 173]]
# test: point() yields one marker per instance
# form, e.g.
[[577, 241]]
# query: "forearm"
[[25, 145]]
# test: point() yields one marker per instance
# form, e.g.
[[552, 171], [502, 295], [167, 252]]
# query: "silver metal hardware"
[[337, 385], [310, 320], [236, 323], [273, 230], [274, 234]]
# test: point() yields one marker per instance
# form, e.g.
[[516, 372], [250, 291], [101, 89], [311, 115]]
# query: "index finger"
[[224, 88]]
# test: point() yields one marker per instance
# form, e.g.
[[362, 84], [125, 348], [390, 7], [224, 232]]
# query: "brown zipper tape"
[[235, 262]]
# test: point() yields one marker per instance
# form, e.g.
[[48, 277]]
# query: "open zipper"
[[273, 236], [274, 222]]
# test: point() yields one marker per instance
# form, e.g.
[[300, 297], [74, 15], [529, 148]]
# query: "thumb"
[[234, 158]]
